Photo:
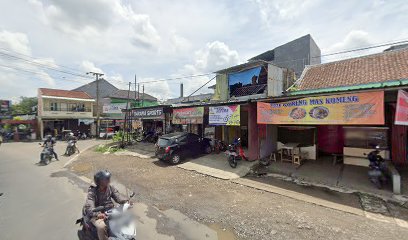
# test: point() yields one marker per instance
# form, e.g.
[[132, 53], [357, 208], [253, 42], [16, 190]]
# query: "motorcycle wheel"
[[47, 160], [232, 162]]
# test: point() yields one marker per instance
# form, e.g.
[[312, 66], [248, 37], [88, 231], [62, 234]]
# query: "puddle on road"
[[223, 233]]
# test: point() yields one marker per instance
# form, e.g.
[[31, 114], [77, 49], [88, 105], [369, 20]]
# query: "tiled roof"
[[376, 68], [64, 93], [123, 94]]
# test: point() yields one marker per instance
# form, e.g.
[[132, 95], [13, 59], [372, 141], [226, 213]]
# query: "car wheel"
[[175, 159]]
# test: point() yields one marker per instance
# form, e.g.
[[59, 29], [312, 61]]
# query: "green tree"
[[25, 106]]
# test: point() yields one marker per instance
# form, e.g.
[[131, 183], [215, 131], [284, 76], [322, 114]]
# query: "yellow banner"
[[345, 109]]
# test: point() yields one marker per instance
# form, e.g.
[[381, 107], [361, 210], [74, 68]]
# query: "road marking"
[[76, 156]]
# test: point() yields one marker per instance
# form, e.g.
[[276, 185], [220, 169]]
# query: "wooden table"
[[289, 148]]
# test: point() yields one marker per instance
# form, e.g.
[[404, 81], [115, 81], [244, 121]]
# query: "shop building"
[[113, 117], [345, 107], [155, 118], [236, 90], [60, 110]]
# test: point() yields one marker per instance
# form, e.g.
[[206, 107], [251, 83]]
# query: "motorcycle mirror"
[[132, 194]]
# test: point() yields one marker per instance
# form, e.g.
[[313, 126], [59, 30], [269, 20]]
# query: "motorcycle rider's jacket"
[[49, 143], [97, 198]]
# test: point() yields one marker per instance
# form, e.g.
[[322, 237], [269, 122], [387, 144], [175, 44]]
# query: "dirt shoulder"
[[250, 213]]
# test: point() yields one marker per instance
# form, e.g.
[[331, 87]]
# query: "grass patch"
[[106, 148]]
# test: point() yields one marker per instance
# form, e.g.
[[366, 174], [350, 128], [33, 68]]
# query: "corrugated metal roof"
[[392, 83]]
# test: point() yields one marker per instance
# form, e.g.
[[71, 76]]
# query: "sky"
[[53, 43]]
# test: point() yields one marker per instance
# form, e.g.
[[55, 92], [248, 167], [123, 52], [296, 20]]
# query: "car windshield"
[[163, 142]]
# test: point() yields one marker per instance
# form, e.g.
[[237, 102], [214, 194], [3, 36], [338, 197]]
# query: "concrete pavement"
[[43, 202]]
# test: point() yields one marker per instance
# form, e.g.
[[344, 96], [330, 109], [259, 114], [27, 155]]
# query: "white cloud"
[[91, 18], [161, 39], [19, 72], [215, 56], [88, 66], [272, 11], [353, 40], [15, 41]]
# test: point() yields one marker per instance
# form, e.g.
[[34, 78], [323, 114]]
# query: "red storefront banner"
[[193, 115], [401, 113]]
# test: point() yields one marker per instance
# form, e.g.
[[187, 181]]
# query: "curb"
[[298, 196], [320, 202], [398, 199]]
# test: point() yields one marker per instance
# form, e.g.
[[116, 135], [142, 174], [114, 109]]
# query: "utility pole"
[[97, 76], [125, 122], [135, 89], [143, 96], [138, 95]]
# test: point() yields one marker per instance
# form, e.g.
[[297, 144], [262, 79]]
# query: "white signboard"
[[224, 115], [114, 107]]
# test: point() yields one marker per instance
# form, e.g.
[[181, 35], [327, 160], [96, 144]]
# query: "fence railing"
[[67, 109]]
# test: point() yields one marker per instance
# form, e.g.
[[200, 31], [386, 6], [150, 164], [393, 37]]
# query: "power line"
[[28, 56], [178, 78], [39, 73], [42, 65]]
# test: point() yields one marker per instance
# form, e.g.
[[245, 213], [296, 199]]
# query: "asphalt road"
[[43, 202], [35, 205]]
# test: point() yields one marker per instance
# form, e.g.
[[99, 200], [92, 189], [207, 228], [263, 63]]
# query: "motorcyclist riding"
[[50, 142], [101, 195], [71, 137]]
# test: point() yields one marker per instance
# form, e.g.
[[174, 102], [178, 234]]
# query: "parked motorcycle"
[[235, 153], [378, 168], [148, 136], [71, 148], [120, 223], [219, 146], [46, 155]]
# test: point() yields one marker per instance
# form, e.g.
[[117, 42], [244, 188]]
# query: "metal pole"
[[97, 106], [138, 95], [97, 75], [135, 88], [126, 116], [143, 96]]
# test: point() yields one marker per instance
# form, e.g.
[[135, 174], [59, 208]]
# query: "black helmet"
[[101, 175]]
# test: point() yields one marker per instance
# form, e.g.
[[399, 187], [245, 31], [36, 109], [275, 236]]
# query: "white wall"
[[275, 80]]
